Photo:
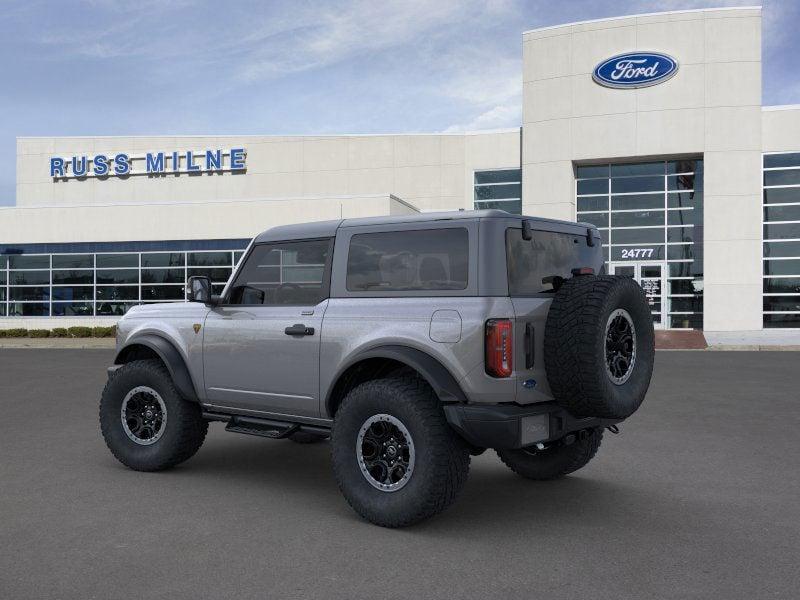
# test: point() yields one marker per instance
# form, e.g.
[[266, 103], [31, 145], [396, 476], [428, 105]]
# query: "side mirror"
[[198, 289]]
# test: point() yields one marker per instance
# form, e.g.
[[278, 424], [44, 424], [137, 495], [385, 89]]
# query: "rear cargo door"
[[535, 267]]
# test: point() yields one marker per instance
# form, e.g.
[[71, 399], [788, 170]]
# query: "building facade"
[[650, 126]]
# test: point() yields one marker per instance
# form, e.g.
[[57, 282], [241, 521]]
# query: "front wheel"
[[145, 422], [556, 461], [395, 458]]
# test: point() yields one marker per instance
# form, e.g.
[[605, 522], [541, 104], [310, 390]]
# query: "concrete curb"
[[735, 348], [56, 343], [755, 347]]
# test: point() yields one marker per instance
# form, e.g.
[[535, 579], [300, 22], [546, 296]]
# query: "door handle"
[[299, 329]]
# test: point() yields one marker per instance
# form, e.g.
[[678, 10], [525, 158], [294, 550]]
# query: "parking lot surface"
[[698, 497]]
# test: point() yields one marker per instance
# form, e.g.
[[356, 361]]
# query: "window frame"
[[326, 273], [770, 319], [342, 252], [475, 185]]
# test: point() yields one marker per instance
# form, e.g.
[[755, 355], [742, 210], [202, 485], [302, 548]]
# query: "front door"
[[261, 345], [651, 277]]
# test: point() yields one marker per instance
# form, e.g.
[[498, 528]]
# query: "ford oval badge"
[[635, 70]]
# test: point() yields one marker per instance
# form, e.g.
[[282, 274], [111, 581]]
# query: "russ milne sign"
[[635, 70], [151, 163]]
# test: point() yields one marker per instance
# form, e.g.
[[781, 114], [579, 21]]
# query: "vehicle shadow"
[[494, 498]]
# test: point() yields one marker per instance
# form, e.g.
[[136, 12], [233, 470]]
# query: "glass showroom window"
[[501, 189], [650, 217], [103, 284], [782, 240]]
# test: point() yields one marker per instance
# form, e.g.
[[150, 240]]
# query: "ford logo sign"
[[635, 70]]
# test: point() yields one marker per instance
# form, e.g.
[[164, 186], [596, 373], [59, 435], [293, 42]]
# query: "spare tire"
[[599, 346]]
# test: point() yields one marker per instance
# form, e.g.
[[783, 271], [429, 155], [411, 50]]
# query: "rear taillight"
[[499, 347]]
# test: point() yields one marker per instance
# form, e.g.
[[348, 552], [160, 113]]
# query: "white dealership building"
[[649, 126]]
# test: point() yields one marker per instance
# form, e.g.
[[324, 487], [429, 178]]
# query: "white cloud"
[[323, 37], [497, 117]]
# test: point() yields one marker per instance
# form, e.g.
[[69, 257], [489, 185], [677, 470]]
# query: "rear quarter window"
[[548, 254], [402, 261]]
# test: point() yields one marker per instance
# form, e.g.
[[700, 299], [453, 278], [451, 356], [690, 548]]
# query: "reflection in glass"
[[73, 309], [73, 261], [118, 276], [117, 260], [73, 277], [73, 292], [164, 275], [26, 261], [29, 277], [125, 292]]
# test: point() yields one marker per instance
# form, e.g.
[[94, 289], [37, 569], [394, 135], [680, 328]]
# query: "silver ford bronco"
[[411, 342]]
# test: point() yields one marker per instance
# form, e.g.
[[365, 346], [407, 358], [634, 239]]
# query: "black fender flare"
[[434, 372], [170, 356]]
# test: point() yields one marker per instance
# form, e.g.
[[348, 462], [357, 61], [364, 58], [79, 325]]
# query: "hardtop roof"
[[322, 229]]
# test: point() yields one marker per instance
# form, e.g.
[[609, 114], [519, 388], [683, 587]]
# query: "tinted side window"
[[284, 273], [548, 254], [398, 261]]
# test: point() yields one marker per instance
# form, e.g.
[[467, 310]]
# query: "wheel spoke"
[[620, 347], [385, 452], [144, 415]]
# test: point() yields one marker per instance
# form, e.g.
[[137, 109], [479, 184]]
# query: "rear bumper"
[[508, 426]]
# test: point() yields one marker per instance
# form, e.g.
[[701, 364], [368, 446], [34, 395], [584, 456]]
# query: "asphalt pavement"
[[698, 497]]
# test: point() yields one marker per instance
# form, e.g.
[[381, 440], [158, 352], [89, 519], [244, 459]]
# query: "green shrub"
[[16, 332], [101, 332], [38, 333], [80, 332], [59, 332]]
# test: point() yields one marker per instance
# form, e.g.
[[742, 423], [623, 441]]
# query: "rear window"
[[548, 254], [401, 261]]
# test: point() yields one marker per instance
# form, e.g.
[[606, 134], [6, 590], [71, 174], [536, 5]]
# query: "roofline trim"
[[270, 135], [215, 201], [781, 107], [652, 14]]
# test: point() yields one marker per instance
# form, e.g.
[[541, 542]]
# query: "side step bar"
[[268, 428]]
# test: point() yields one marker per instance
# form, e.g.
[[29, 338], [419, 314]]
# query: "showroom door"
[[651, 276]]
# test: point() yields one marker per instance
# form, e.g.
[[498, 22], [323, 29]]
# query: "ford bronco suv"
[[411, 342]]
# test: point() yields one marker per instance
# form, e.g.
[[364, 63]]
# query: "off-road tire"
[[184, 430], [441, 458], [554, 462], [575, 346], [304, 437]]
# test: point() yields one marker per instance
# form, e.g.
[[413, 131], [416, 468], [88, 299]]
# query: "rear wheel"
[[395, 458], [554, 461], [145, 422]]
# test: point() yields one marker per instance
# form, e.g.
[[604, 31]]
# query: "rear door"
[[261, 346], [534, 267]]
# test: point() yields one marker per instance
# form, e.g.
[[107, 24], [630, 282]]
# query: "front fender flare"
[[170, 356], [438, 377]]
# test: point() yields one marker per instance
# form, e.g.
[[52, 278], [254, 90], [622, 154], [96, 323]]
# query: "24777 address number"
[[637, 252]]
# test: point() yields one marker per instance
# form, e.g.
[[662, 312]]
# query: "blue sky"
[[101, 67]]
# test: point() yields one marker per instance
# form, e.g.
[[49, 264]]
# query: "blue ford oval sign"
[[635, 70]]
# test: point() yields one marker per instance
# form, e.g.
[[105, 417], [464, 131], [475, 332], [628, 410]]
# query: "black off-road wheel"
[[145, 422], [395, 458], [554, 461], [599, 346]]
